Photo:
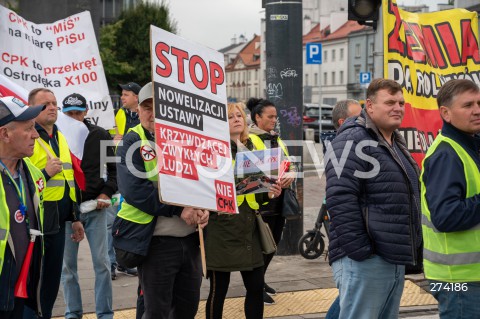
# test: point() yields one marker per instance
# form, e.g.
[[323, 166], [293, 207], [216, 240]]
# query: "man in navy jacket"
[[451, 203], [373, 199]]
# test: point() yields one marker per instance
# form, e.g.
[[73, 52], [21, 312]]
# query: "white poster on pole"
[[62, 56], [191, 126]]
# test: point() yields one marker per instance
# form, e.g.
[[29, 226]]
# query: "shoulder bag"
[[266, 238], [290, 207]]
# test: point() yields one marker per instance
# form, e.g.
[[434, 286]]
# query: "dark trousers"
[[171, 277], [52, 271], [17, 311], [276, 224], [219, 281]]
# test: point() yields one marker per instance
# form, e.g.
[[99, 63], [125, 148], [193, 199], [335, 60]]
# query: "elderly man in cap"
[[94, 221], [161, 238], [21, 206], [126, 117]]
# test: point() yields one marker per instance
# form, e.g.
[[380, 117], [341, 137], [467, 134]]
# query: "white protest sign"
[[191, 126], [62, 56]]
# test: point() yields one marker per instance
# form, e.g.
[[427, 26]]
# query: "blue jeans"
[[455, 303], [368, 289], [111, 214], [95, 224], [334, 310]]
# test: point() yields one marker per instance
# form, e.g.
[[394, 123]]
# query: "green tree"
[[115, 70], [125, 45]]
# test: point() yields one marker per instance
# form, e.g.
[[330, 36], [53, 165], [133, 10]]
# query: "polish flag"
[[75, 132], [9, 88]]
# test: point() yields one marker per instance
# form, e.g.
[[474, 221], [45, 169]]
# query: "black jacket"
[[445, 184], [92, 165], [9, 275], [140, 193], [375, 215]]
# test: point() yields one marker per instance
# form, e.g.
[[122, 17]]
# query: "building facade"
[[47, 11]]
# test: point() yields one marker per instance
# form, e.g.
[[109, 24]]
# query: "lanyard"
[[20, 190]]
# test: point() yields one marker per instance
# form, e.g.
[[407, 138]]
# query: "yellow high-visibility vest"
[[260, 145], [39, 180], [56, 184], [120, 122], [453, 256], [129, 212]]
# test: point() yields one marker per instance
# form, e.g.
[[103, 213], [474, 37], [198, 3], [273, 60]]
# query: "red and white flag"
[[75, 132]]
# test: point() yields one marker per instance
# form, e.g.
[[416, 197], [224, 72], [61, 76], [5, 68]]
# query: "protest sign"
[[256, 171], [62, 56], [422, 52], [191, 126]]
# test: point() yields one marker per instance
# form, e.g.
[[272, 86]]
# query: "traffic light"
[[364, 11]]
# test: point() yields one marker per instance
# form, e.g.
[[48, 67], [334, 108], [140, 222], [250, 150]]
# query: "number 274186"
[[448, 286]]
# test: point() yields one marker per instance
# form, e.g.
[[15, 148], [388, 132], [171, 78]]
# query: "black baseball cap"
[[13, 109], [132, 86], [74, 102]]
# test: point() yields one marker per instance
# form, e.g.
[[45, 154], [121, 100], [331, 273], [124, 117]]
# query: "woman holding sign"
[[264, 117], [233, 241]]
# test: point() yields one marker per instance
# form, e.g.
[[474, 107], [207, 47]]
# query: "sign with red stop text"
[[191, 124]]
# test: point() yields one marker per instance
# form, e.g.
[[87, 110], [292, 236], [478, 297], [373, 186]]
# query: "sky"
[[214, 23]]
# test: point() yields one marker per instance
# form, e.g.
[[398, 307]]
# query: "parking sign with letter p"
[[314, 53]]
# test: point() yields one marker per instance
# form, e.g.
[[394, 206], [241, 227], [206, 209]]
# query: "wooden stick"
[[202, 251], [44, 146]]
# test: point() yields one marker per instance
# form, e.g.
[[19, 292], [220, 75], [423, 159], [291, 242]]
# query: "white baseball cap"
[[13, 109], [145, 93]]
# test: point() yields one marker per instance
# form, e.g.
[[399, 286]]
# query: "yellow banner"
[[422, 52]]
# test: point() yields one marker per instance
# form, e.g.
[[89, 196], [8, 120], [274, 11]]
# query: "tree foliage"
[[125, 45]]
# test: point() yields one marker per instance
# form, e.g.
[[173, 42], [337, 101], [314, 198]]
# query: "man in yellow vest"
[[21, 207], [450, 193], [126, 117], [52, 156], [158, 238]]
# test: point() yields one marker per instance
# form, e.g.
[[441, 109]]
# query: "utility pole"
[[284, 74]]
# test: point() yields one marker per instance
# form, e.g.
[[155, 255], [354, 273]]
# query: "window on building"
[[357, 50], [370, 68], [325, 56], [370, 49], [341, 54], [333, 78], [324, 78], [315, 79], [341, 77], [256, 75], [306, 79], [333, 55], [357, 73]]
